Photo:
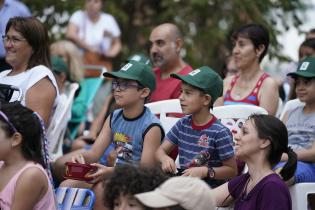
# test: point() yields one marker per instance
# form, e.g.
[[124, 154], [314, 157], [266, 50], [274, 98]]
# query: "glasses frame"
[[122, 86], [6, 119], [13, 40]]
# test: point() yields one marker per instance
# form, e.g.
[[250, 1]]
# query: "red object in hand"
[[78, 171], [199, 160]]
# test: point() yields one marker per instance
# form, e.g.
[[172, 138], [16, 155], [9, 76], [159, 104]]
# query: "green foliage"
[[206, 24]]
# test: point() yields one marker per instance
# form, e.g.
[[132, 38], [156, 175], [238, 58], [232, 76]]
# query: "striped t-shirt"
[[191, 140]]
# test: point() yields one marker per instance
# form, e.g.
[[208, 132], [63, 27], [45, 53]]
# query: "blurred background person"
[[96, 33], [252, 85], [9, 9], [27, 51], [70, 54]]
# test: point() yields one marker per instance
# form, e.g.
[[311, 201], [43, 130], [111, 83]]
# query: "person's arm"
[[221, 194], [115, 48], [167, 163], [152, 141], [307, 155], [227, 170], [72, 34], [27, 194], [101, 143], [41, 101], [269, 96]]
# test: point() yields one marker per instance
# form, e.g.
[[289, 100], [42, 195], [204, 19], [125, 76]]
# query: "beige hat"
[[188, 192]]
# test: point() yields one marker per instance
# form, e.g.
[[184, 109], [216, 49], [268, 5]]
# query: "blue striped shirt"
[[216, 138]]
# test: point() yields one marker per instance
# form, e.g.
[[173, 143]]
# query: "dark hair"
[[258, 34], [27, 124], [273, 129], [131, 180], [37, 37]]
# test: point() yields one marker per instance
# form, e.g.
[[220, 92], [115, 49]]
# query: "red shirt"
[[168, 88]]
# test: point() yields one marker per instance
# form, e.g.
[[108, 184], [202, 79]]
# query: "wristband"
[[211, 173]]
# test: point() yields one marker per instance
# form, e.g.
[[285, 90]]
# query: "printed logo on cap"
[[304, 66], [126, 67], [194, 72]]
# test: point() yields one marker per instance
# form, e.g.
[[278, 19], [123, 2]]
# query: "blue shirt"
[[128, 134], [10, 8]]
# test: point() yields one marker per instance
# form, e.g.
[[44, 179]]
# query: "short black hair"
[[258, 34], [131, 180]]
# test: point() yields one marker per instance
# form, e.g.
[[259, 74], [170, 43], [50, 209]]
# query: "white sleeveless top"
[[25, 80]]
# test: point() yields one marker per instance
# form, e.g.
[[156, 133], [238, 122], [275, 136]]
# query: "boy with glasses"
[[134, 130]]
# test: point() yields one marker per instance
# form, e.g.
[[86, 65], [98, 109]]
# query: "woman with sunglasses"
[[24, 183], [27, 51], [260, 144]]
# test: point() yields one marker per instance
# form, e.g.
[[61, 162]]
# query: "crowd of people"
[[131, 157]]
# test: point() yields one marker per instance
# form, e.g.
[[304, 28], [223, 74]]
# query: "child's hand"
[[168, 165], [78, 159], [200, 172], [99, 174]]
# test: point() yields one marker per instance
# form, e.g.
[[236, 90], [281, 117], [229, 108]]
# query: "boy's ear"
[[145, 92], [208, 99]]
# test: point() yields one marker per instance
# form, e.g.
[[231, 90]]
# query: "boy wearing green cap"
[[134, 130], [300, 122], [200, 132]]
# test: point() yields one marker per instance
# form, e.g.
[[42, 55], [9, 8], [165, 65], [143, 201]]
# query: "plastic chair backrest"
[[88, 89], [289, 105], [162, 108], [58, 125], [74, 198], [299, 195], [234, 116], [10, 93]]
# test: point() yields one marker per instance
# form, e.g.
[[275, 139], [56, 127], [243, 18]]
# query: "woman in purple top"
[[261, 142]]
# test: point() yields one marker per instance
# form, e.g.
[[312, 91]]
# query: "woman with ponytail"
[[260, 144], [24, 183]]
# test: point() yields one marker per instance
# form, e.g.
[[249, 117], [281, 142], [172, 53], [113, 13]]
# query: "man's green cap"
[[59, 66], [306, 68], [140, 58], [137, 71], [204, 78]]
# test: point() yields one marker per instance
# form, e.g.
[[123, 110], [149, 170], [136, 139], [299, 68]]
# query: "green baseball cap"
[[306, 68], [205, 79], [59, 66], [137, 71], [140, 58]]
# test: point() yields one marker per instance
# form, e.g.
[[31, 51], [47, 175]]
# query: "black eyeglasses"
[[6, 119], [123, 85], [13, 40]]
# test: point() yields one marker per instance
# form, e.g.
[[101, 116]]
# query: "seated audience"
[[251, 85], [200, 131], [26, 44], [21, 161], [133, 129], [179, 193], [300, 122], [261, 142]]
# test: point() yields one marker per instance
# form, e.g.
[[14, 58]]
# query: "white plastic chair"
[[289, 105], [164, 107], [58, 124], [299, 193], [234, 116]]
